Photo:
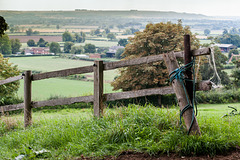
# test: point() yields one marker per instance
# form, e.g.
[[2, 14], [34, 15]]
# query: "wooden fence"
[[99, 97]]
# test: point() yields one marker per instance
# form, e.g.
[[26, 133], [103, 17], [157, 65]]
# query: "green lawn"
[[69, 133]]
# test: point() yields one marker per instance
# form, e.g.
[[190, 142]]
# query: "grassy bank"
[[69, 133]]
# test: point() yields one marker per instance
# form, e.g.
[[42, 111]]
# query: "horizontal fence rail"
[[114, 65], [99, 97], [11, 79], [202, 86]]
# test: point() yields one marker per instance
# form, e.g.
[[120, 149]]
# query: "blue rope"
[[178, 74]]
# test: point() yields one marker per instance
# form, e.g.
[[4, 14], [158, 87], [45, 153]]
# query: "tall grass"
[[136, 128]]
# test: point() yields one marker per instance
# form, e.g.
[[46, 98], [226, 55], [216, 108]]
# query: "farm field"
[[45, 89], [70, 133], [24, 39], [56, 87]]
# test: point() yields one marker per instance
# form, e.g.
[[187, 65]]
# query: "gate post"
[[172, 64], [98, 88], [27, 98]]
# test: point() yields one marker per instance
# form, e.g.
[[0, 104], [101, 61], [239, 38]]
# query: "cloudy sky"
[[206, 7]]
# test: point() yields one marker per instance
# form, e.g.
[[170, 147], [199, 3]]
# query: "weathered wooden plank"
[[172, 64], [62, 101], [201, 86], [27, 98], [12, 107], [139, 93], [201, 52], [151, 59], [63, 73], [98, 88], [11, 79]]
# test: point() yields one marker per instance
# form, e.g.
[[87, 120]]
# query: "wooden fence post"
[[27, 98], [98, 88], [188, 59], [172, 64]]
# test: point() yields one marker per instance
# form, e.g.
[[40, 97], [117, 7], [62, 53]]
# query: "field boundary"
[[99, 97]]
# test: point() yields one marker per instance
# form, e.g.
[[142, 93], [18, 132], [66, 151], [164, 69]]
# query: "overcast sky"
[[206, 7]]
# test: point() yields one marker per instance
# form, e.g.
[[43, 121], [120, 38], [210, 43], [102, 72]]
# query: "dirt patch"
[[234, 155]]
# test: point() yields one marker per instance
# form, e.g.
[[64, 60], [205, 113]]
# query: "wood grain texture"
[[11, 79], [98, 89], [172, 64], [13, 107], [139, 93], [27, 98], [63, 73], [62, 101]]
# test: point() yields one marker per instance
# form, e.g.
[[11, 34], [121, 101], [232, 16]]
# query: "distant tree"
[[54, 47], [111, 36], [31, 43], [83, 36], [42, 43], [67, 37], [36, 32], [90, 48], [111, 26], [15, 45], [207, 32], [77, 50], [5, 45], [119, 53], [67, 47], [133, 30], [17, 29], [97, 31], [236, 74], [123, 42], [78, 38], [12, 29], [229, 39], [3, 26], [57, 26], [225, 31], [29, 32], [120, 26], [233, 31], [107, 30], [233, 51], [127, 32], [102, 49], [236, 77]]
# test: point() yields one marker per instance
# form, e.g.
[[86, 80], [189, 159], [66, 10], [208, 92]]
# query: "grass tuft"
[[71, 133]]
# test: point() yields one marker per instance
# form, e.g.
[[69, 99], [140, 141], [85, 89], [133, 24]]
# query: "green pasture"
[[69, 132], [202, 41], [100, 43], [47, 64], [44, 89], [57, 87]]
